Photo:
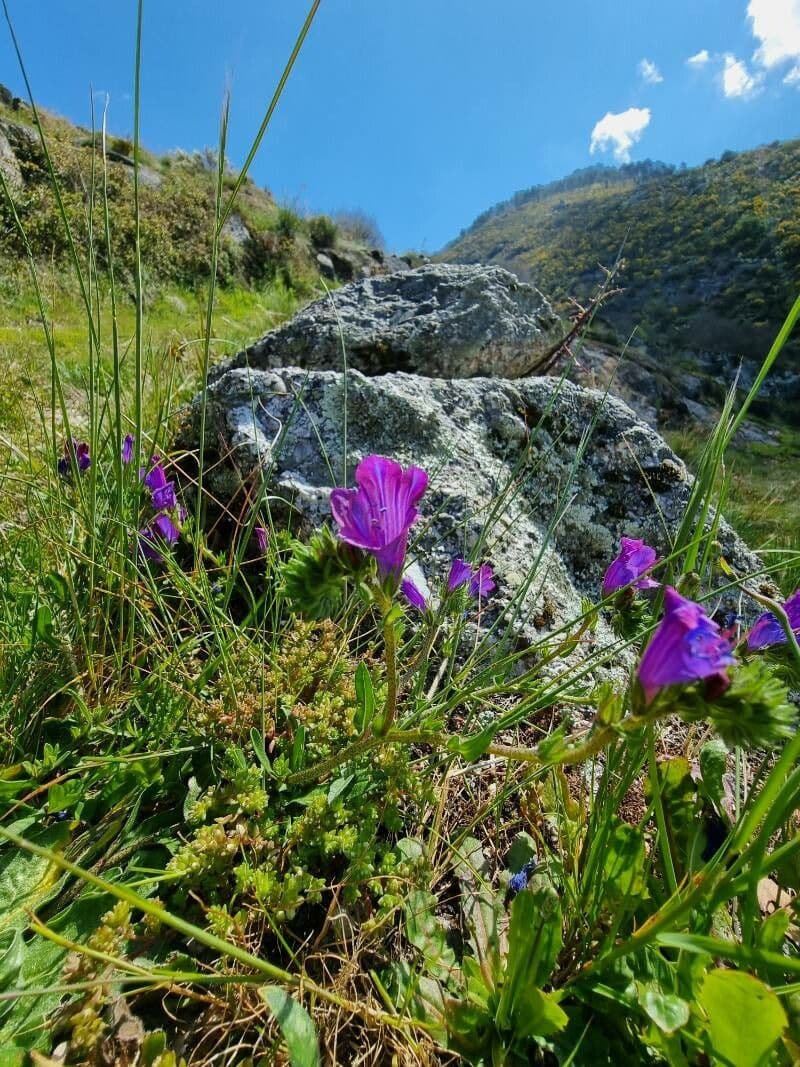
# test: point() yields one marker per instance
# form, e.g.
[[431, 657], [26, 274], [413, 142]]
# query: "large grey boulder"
[[571, 468], [440, 320]]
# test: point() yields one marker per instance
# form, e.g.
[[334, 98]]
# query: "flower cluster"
[[76, 452], [162, 528], [377, 517], [749, 706]]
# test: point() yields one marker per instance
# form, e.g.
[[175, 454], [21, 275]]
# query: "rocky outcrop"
[[439, 320], [540, 476], [9, 167], [349, 262]]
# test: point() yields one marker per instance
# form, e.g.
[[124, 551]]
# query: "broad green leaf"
[[26, 881], [534, 941], [470, 1030], [479, 904], [257, 741], [365, 696], [537, 1014], [523, 849], [624, 865], [427, 935], [296, 1026], [338, 787], [63, 795], [745, 1018], [57, 585], [668, 1011], [43, 628], [713, 761]]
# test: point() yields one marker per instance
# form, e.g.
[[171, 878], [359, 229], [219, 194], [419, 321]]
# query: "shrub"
[[322, 230], [361, 227]]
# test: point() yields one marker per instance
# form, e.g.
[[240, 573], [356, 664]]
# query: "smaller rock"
[[326, 267]]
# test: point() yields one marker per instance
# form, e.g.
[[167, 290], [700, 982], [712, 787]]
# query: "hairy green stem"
[[390, 655]]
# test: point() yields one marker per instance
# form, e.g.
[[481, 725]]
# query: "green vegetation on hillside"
[[711, 254]]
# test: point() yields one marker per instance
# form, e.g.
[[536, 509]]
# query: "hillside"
[[711, 255], [262, 241]]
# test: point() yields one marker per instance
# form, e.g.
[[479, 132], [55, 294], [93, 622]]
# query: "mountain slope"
[[711, 255]]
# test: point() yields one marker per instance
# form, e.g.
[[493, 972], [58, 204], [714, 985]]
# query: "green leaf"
[[365, 697], [296, 1026], [534, 941], [537, 1014], [297, 758], [427, 934], [772, 931], [523, 849], [43, 628], [63, 795], [668, 1011], [624, 865], [338, 787], [713, 762], [257, 741], [479, 904], [56, 584], [745, 1018], [473, 747]]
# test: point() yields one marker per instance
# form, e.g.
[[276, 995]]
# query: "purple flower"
[[162, 528], [481, 580], [460, 574], [634, 559], [768, 631], [162, 492], [413, 595], [378, 515], [80, 451], [127, 448], [261, 539], [686, 647]]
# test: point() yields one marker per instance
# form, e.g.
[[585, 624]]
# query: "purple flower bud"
[[768, 631], [80, 452], [127, 448], [481, 580], [261, 539], [686, 647], [634, 559], [379, 513], [413, 595]]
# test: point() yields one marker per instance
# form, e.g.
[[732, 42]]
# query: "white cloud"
[[737, 81], [649, 72], [776, 26], [699, 59], [793, 77], [620, 132]]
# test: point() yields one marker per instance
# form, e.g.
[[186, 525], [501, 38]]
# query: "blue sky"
[[423, 113]]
